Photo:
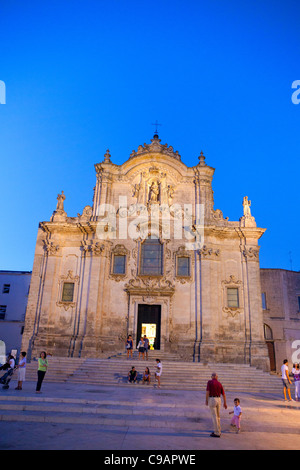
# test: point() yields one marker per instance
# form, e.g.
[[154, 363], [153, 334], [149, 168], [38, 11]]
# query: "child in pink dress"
[[237, 413]]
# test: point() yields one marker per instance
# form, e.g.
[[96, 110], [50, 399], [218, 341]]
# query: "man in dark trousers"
[[214, 391]]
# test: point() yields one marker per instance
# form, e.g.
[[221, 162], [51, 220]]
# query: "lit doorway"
[[149, 329], [149, 321]]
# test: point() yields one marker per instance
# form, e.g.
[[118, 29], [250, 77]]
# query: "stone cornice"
[[234, 232], [68, 227]]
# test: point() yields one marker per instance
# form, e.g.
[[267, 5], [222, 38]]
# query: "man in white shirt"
[[286, 379]]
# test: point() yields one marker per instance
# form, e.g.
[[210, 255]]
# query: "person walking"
[[296, 374], [286, 380], [21, 371], [237, 414], [42, 369], [214, 391]]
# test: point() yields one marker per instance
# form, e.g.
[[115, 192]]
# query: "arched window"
[[151, 257], [268, 333]]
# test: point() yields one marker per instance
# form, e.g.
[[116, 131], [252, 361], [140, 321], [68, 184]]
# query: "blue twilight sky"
[[84, 76]]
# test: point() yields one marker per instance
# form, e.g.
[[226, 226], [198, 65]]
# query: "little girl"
[[237, 413]]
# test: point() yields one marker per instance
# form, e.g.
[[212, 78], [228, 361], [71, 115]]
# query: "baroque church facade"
[[150, 256]]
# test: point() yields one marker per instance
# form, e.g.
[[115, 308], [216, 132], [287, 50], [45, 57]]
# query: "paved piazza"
[[137, 418]]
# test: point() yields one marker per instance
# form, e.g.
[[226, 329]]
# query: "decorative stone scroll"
[[92, 248], [148, 285], [86, 214], [209, 252], [217, 216], [251, 254], [156, 147], [50, 248]]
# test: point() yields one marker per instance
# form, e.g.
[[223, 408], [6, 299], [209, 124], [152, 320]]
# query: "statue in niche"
[[136, 190], [170, 193], [154, 192], [246, 205], [60, 201]]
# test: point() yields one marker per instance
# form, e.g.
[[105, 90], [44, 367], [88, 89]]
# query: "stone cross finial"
[[156, 130], [201, 159]]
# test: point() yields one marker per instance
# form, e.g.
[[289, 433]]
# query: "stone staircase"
[[175, 376]]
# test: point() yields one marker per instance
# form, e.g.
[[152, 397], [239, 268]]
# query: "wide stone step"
[[99, 413], [176, 375]]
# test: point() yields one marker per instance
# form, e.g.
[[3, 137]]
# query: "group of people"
[[142, 347], [10, 366], [214, 390], [285, 376], [133, 374]]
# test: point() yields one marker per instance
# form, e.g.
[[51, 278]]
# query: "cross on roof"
[[156, 124]]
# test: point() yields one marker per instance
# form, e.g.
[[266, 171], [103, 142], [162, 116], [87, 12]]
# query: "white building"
[[14, 290]]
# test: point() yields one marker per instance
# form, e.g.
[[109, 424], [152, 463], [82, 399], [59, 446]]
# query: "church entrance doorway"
[[268, 333], [149, 324], [271, 350]]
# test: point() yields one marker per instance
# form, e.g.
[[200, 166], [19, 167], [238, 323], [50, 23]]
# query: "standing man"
[[214, 390], [146, 341], [286, 380]]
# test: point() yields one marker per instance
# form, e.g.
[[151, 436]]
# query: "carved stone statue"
[[246, 205], [170, 193], [154, 192], [59, 215], [60, 201], [247, 220], [136, 190]]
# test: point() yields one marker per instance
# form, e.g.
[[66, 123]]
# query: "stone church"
[[150, 256]]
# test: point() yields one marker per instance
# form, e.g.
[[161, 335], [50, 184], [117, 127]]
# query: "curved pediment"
[[156, 147], [153, 157], [158, 156]]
